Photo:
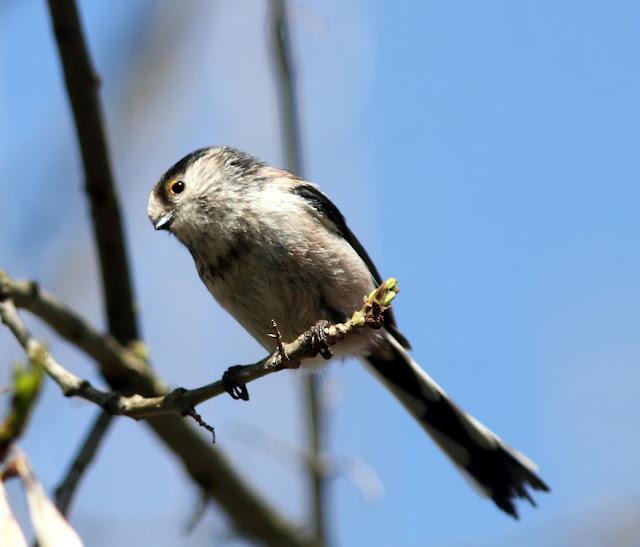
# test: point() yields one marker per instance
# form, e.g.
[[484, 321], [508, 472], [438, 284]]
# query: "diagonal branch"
[[115, 360], [65, 491], [183, 401]]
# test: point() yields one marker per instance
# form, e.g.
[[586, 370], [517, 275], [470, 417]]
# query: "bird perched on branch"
[[271, 246]]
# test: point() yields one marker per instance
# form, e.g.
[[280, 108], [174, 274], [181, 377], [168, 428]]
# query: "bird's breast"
[[258, 283], [284, 272]]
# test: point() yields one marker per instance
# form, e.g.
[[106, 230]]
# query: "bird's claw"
[[319, 339], [232, 384]]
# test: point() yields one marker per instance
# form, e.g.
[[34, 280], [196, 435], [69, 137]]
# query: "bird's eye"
[[177, 187]]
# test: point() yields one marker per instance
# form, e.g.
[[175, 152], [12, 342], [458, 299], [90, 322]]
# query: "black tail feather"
[[500, 471]]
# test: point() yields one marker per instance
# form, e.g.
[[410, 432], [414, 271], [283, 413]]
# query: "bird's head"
[[198, 189]]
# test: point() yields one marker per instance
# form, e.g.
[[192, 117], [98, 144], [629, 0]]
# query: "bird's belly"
[[257, 285], [259, 289], [259, 296]]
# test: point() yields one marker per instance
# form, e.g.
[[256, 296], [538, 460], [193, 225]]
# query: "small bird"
[[271, 246]]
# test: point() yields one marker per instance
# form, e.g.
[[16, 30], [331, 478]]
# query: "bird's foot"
[[318, 339], [233, 385]]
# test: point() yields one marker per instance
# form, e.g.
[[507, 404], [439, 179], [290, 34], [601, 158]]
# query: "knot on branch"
[[176, 398], [177, 393], [76, 388], [110, 404]]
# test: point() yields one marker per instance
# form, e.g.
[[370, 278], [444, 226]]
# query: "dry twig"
[[180, 400]]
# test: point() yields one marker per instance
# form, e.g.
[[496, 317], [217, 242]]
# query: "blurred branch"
[[50, 528], [287, 90], [65, 491], [356, 471], [115, 360], [292, 141], [315, 432], [82, 85]]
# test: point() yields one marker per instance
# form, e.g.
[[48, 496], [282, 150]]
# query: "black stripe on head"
[[242, 163], [176, 171], [180, 167]]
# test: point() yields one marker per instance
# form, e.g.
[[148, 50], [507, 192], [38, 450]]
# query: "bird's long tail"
[[500, 471]]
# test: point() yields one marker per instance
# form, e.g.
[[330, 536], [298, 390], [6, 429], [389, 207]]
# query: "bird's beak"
[[163, 222]]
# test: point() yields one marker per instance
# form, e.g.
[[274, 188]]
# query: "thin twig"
[[65, 491], [196, 416], [180, 400], [277, 336], [198, 513], [287, 90]]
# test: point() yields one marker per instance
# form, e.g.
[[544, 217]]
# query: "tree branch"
[[183, 401], [206, 466], [115, 360], [65, 491], [287, 92], [82, 85]]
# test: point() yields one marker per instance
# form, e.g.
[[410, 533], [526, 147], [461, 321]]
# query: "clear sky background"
[[487, 155]]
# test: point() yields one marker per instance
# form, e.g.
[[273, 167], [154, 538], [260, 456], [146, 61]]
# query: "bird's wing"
[[323, 205]]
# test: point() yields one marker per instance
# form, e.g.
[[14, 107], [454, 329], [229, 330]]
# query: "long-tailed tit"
[[269, 245]]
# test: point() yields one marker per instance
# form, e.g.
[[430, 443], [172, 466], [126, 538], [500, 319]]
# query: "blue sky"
[[486, 154]]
